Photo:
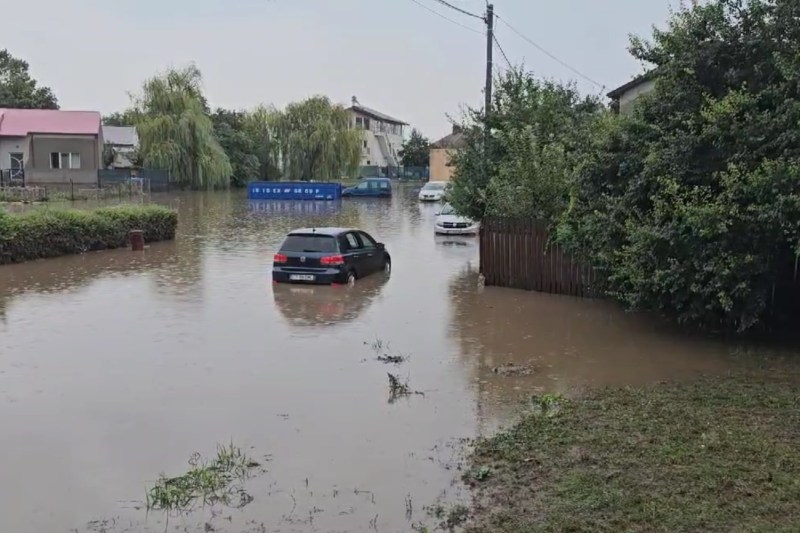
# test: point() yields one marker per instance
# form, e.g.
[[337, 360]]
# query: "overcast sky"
[[393, 55]]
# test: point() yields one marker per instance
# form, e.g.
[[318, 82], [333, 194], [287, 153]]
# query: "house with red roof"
[[50, 147]]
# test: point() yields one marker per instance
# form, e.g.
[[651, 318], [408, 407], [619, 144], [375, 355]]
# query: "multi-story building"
[[383, 136]]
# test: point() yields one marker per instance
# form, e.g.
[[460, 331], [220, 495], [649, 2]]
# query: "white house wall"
[[627, 98], [371, 155], [10, 145]]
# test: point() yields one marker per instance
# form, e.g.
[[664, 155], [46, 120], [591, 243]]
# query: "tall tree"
[[317, 141], [416, 150], [260, 125], [129, 117], [691, 205], [240, 148], [537, 130], [18, 89], [176, 133]]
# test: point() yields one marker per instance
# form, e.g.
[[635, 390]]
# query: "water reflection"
[[463, 241], [304, 208], [320, 306], [71, 273]]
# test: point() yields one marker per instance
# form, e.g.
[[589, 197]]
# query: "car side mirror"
[[381, 246], [439, 213]]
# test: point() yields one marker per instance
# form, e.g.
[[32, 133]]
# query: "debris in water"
[[510, 369], [399, 388], [392, 359]]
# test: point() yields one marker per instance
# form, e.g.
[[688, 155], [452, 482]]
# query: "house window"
[[365, 144], [359, 123], [65, 160], [366, 123]]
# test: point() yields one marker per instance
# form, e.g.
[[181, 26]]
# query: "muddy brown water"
[[117, 366]]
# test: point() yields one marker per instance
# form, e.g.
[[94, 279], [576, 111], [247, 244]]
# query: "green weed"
[[207, 482]]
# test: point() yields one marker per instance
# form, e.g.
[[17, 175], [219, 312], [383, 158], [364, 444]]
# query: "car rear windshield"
[[309, 244]]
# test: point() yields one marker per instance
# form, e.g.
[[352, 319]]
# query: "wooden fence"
[[517, 254]]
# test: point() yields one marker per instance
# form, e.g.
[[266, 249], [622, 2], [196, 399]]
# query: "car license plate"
[[301, 277]]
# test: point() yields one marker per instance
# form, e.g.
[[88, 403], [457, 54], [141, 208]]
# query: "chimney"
[[354, 100], [457, 129]]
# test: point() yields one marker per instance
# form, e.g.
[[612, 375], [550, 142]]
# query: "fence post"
[[71, 190]]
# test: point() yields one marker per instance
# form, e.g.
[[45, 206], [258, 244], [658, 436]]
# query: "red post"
[[137, 240]]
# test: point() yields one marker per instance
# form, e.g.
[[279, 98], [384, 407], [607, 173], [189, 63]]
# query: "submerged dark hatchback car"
[[328, 256]]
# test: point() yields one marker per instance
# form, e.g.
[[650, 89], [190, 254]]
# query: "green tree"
[[416, 150], [261, 126], [176, 133], [128, 117], [229, 129], [18, 89], [691, 205], [524, 166], [316, 141]]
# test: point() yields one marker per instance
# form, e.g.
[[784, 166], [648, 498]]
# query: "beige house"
[[442, 154]]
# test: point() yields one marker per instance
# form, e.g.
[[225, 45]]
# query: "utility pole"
[[488, 106], [489, 49]]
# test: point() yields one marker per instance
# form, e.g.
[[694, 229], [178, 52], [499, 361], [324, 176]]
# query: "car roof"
[[327, 231], [377, 178]]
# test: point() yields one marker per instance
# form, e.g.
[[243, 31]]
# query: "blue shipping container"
[[293, 190]]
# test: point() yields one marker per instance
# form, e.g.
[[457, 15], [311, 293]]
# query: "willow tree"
[[317, 141], [176, 132], [260, 125]]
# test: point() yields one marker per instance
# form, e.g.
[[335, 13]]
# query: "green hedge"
[[54, 232]]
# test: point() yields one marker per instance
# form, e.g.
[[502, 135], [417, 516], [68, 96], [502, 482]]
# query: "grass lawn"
[[715, 455]]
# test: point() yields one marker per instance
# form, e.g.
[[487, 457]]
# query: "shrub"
[[51, 233]]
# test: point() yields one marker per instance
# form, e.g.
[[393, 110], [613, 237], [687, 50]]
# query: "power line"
[[463, 11], [446, 17], [551, 56], [502, 51]]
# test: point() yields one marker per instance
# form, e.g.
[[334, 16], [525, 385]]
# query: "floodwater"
[[117, 366]]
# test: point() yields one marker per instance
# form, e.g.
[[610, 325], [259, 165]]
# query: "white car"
[[449, 223], [433, 191]]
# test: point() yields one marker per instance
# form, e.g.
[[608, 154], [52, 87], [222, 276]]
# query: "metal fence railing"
[[411, 173], [12, 177], [150, 180]]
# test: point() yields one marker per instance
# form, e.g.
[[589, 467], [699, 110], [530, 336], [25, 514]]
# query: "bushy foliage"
[[229, 129], [691, 205], [416, 150], [18, 89], [519, 161], [50, 233]]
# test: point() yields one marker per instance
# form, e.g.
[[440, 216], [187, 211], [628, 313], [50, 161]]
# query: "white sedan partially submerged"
[[433, 191], [449, 223]]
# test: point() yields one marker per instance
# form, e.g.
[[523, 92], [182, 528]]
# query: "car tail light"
[[280, 258], [332, 260]]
